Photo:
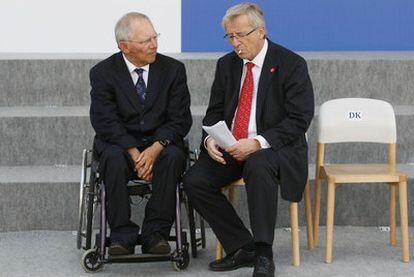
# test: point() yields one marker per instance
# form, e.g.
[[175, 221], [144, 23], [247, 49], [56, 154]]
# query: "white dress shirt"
[[256, 70], [134, 75]]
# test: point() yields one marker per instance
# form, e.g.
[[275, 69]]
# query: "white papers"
[[221, 134]]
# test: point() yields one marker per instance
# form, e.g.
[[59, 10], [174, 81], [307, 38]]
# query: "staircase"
[[44, 125]]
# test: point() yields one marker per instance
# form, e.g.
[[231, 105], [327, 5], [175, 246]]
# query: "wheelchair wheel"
[[203, 232], [82, 199], [90, 261], [192, 215], [87, 201], [192, 227], [182, 261], [80, 232]]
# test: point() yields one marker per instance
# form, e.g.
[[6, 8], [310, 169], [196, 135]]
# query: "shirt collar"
[[259, 59], [132, 67]]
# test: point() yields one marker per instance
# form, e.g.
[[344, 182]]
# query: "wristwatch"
[[164, 142]]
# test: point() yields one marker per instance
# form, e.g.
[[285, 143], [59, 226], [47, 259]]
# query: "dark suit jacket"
[[285, 108], [116, 114]]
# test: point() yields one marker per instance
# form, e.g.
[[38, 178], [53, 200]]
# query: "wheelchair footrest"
[[139, 258]]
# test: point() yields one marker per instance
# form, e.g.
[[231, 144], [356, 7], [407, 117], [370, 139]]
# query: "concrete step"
[[44, 135], [47, 198], [63, 80], [39, 197], [57, 135]]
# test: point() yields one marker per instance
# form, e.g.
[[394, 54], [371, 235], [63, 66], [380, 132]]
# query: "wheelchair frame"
[[92, 194]]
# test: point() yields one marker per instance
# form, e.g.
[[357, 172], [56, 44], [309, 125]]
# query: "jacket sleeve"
[[215, 110], [298, 105], [104, 113]]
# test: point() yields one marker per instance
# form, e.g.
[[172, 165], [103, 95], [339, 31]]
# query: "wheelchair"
[[96, 242]]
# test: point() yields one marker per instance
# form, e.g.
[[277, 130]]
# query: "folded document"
[[221, 134]]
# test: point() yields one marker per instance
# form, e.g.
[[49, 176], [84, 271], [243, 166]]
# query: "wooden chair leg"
[[294, 233], [393, 240], [404, 220], [308, 214], [219, 251], [316, 210], [330, 209]]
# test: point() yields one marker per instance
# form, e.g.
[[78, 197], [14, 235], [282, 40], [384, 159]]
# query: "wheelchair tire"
[[192, 227], [86, 203], [90, 197], [203, 232], [82, 196], [182, 261], [90, 261], [81, 220], [84, 234]]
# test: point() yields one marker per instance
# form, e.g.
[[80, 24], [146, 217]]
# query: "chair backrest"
[[356, 120]]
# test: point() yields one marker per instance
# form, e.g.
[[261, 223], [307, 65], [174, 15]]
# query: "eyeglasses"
[[230, 37], [147, 41]]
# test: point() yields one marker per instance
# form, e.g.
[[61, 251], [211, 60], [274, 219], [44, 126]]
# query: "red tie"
[[241, 122]]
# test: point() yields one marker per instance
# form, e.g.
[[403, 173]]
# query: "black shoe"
[[155, 244], [264, 267], [116, 248], [240, 258]]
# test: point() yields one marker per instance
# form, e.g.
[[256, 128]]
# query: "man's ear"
[[262, 32], [123, 46]]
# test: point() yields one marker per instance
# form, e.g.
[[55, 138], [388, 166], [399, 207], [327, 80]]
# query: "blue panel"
[[305, 25]]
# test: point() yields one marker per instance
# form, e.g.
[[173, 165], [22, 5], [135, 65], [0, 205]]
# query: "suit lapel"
[[125, 80], [154, 83], [269, 69], [237, 70]]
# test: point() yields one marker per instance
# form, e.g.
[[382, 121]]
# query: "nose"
[[153, 43], [235, 42]]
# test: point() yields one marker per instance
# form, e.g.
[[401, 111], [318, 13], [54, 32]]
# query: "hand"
[[134, 153], [213, 151], [243, 148], [146, 159]]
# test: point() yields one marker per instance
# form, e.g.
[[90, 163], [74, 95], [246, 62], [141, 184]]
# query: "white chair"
[[358, 120]]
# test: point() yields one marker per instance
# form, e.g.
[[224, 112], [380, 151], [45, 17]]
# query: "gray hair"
[[123, 28], [253, 12]]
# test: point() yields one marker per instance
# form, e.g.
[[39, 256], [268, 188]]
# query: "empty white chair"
[[358, 120]]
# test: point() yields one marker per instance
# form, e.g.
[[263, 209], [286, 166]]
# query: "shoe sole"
[[250, 264], [159, 249]]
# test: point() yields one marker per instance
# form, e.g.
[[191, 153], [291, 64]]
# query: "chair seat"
[[139, 187], [362, 173], [239, 182]]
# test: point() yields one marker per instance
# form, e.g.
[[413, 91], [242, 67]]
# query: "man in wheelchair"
[[140, 111]]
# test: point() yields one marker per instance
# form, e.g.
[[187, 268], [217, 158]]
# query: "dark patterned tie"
[[140, 86]]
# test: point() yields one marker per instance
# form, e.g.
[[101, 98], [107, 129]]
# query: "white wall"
[[81, 26]]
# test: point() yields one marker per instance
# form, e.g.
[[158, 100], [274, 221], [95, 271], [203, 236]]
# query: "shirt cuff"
[[205, 141], [263, 142]]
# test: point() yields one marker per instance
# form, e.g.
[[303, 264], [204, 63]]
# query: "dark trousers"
[[116, 167], [203, 183]]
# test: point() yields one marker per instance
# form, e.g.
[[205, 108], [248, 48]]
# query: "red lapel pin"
[[272, 70]]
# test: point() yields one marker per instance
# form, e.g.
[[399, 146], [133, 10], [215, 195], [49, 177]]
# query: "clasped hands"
[[144, 161], [240, 151]]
